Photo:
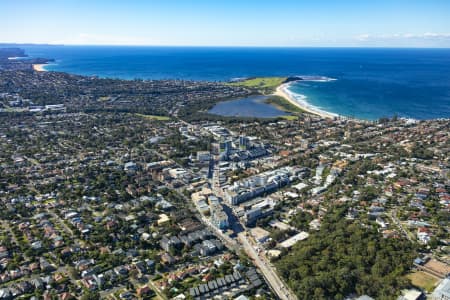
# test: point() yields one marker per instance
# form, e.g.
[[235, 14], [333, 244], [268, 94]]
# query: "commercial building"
[[294, 239], [442, 291], [219, 218], [264, 183], [260, 234]]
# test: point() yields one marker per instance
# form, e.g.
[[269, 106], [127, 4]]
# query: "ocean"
[[370, 82]]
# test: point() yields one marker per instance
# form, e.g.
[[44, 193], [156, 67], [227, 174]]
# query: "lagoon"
[[253, 106], [370, 82]]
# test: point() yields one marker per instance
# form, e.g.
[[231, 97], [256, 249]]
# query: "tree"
[[344, 257], [90, 295]]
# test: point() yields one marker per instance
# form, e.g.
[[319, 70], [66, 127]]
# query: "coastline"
[[282, 91], [39, 67]]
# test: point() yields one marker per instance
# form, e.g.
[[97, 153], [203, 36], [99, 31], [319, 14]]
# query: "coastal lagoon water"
[[371, 83], [247, 107]]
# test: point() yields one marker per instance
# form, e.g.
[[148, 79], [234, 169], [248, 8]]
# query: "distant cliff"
[[16, 59], [6, 53]]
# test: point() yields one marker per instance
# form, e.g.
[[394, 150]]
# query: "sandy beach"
[[283, 91], [39, 67]]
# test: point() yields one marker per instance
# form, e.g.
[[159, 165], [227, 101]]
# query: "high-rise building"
[[244, 142], [219, 218], [215, 149]]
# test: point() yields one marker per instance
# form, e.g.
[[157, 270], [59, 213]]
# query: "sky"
[[266, 23]]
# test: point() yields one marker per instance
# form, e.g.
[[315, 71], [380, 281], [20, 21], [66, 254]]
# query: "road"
[[229, 242], [60, 222], [6, 226], [271, 276], [157, 290], [393, 216]]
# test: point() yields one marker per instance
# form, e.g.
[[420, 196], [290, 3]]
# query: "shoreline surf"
[[283, 91], [39, 67], [371, 83]]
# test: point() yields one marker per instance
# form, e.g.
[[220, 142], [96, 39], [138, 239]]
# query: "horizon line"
[[222, 46]]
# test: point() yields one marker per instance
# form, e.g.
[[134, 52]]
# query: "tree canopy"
[[346, 257]]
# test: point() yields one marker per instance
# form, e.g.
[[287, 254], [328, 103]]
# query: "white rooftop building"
[[442, 291]]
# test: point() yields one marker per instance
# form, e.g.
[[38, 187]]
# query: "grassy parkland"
[[264, 85], [154, 117]]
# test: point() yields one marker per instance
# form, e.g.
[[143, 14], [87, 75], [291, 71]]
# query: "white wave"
[[312, 78], [237, 79], [302, 100]]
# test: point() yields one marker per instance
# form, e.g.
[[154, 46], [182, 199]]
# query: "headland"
[[279, 86]]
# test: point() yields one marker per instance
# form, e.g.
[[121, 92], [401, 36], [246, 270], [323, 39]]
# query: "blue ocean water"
[[371, 82]]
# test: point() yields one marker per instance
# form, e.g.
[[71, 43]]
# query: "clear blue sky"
[[396, 23]]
